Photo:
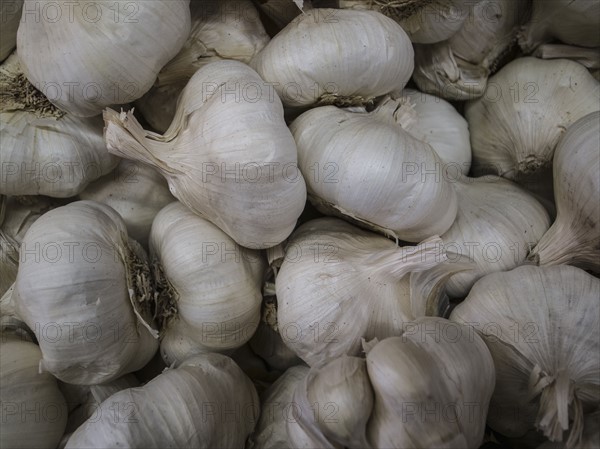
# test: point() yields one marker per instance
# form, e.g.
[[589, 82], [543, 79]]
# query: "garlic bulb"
[[10, 16], [497, 224], [223, 29], [136, 191], [86, 58], [425, 22], [339, 284], [45, 151], [527, 106], [327, 399], [83, 288], [572, 22], [228, 155], [458, 68], [34, 412], [212, 300], [367, 167], [206, 402], [574, 237], [351, 58], [437, 123], [541, 326], [432, 387], [277, 410]]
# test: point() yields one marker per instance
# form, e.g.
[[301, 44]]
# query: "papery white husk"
[[96, 57], [10, 16], [34, 411], [497, 225], [327, 401], [228, 157], [136, 191], [425, 21], [432, 387], [528, 105], [221, 29], [213, 298], [574, 237], [458, 68], [339, 284], [277, 406], [191, 403], [437, 123], [590, 439], [541, 325], [45, 151], [83, 288], [367, 167], [569, 21], [350, 58]]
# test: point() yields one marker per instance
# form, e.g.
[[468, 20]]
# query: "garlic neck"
[[397, 111]]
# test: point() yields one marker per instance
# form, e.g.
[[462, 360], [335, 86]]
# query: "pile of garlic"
[[273, 224]]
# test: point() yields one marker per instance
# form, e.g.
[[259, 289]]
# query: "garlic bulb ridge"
[[574, 237], [226, 155], [102, 55]]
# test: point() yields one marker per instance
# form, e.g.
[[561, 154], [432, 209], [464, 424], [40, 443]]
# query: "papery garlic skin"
[[112, 57], [34, 411], [497, 224], [10, 16], [541, 326], [438, 124], [574, 237], [458, 68], [425, 22], [528, 105], [367, 167], [184, 407], [82, 288], [45, 151], [339, 284], [572, 22], [221, 29], [227, 156], [215, 285], [136, 191], [277, 402], [438, 366], [336, 56]]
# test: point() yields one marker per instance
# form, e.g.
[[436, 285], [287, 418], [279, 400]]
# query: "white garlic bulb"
[[45, 151], [350, 58], [339, 284], [367, 167], [574, 237], [541, 326], [327, 401], [83, 288], [437, 123], [432, 387], [458, 68], [34, 411], [228, 155], [425, 22], [277, 410], [84, 58], [526, 108], [572, 22], [136, 191], [497, 224], [10, 16], [213, 295], [206, 402], [221, 29]]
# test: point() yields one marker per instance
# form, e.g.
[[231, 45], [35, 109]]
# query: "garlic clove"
[[574, 237]]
